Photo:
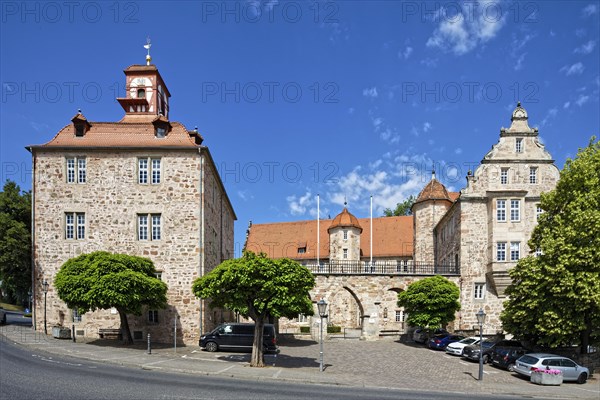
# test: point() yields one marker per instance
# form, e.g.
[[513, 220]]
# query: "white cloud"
[[586, 48], [589, 10], [406, 53], [550, 114], [351, 110], [426, 127], [463, 32], [519, 63], [567, 105], [386, 133], [582, 99], [299, 205], [429, 62], [370, 92], [552, 34], [458, 150], [576, 68]]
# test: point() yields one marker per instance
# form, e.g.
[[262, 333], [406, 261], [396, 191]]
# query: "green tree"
[[430, 302], [102, 280], [554, 299], [403, 208], [258, 287], [15, 243]]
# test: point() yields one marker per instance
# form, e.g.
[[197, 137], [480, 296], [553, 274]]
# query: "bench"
[[110, 333], [390, 332]]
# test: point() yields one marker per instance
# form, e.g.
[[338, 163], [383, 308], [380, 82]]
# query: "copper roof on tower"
[[435, 190], [345, 220]]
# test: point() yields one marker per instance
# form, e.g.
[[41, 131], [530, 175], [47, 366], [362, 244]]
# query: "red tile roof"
[[392, 237], [434, 190], [344, 220]]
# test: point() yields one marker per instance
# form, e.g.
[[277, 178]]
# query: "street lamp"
[[45, 285], [322, 306], [480, 320]]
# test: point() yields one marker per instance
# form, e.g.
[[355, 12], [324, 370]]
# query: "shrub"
[[305, 329], [334, 329]]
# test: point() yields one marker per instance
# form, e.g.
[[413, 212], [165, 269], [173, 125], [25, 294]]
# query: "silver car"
[[570, 369]]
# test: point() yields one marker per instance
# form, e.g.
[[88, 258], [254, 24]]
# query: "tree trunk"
[[125, 332], [258, 359], [584, 336]]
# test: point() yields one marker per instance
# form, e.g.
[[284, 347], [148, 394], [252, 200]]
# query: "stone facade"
[[183, 202]]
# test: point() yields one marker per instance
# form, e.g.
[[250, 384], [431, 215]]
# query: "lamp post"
[[322, 306], [45, 285], [480, 320]]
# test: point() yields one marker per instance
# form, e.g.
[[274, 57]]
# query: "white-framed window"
[[501, 251], [158, 275], [345, 254], [538, 252], [504, 176], [76, 315], [515, 251], [515, 210], [479, 291], [538, 211], [501, 210], [302, 318], [533, 175], [153, 316], [149, 168], [519, 145], [74, 226], [345, 234], [399, 317], [76, 169], [149, 227]]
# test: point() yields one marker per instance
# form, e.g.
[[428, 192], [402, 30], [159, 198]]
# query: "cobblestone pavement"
[[350, 362]]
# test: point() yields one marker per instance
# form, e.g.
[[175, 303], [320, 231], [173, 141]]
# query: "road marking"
[[464, 363], [157, 362], [276, 374], [223, 370]]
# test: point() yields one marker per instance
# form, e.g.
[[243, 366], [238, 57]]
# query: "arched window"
[[141, 93]]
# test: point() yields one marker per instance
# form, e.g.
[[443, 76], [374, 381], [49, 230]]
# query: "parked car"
[[422, 335], [439, 342], [457, 348], [472, 352], [506, 357], [236, 336], [570, 369], [2, 316]]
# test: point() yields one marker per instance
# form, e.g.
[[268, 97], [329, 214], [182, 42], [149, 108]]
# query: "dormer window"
[[141, 93], [79, 130], [161, 127], [80, 124], [160, 131]]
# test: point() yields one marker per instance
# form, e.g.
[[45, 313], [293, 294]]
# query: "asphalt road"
[[33, 374]]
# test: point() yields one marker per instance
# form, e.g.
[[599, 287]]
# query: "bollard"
[[149, 349]]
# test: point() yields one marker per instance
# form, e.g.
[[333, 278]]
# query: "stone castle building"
[[145, 186], [472, 237]]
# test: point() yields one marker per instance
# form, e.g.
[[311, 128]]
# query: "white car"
[[457, 348]]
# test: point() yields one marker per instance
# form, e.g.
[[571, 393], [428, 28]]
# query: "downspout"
[[33, 300], [201, 254]]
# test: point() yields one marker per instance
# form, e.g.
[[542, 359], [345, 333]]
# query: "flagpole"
[[371, 234], [318, 232]]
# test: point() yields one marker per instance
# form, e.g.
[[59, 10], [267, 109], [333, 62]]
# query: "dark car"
[[439, 342], [422, 335], [236, 336], [506, 357], [472, 352]]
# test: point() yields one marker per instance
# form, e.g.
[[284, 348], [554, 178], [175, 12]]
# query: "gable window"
[[519, 145], [74, 226], [149, 167], [515, 210], [501, 210], [515, 251], [153, 316], [479, 291], [76, 170], [149, 224], [504, 176], [533, 175], [501, 251]]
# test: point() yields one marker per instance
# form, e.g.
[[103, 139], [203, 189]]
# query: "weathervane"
[[147, 47]]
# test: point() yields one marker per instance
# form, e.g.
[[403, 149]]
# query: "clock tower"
[[146, 93]]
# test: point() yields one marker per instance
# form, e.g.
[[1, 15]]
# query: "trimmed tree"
[[430, 302], [404, 208], [258, 287], [102, 280], [554, 299]]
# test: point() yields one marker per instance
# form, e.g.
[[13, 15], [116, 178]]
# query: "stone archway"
[[345, 308], [392, 315]]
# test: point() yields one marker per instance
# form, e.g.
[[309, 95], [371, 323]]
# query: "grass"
[[11, 307]]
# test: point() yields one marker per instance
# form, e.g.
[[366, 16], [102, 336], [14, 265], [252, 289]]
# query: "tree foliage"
[[430, 302], [258, 287], [102, 280], [554, 299], [403, 208], [15, 243]]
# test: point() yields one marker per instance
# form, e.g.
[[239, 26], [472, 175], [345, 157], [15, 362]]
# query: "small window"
[[519, 145], [158, 275], [538, 212], [301, 250], [74, 226], [345, 254], [149, 167], [504, 176], [515, 249], [538, 252], [76, 170], [501, 251], [153, 316], [515, 210], [479, 291], [345, 234], [79, 130], [399, 317], [533, 175], [160, 131], [141, 93], [76, 315], [149, 224], [501, 210]]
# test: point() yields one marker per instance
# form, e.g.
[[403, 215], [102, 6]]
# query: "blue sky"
[[345, 99]]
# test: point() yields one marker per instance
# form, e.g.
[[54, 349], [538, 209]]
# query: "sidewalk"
[[348, 362]]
